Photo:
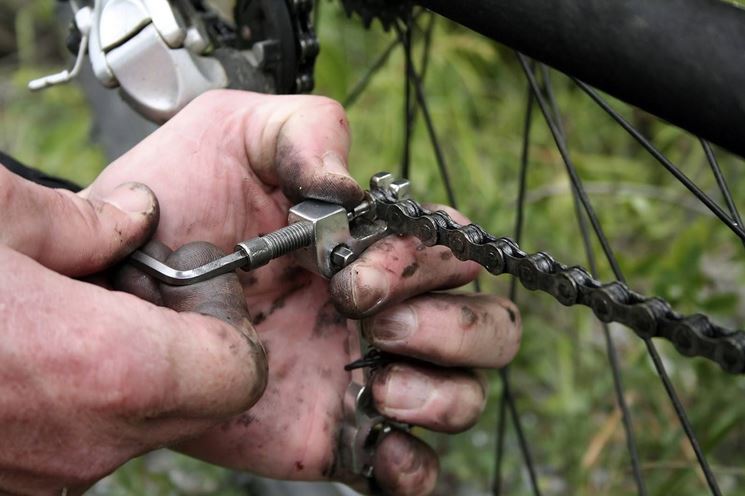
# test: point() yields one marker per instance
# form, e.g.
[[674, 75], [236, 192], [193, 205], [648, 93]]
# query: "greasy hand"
[[227, 169], [90, 378]]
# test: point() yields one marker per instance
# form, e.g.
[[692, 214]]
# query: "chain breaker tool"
[[327, 238]]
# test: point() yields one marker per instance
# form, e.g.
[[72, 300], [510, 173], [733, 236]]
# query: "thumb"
[[75, 234]]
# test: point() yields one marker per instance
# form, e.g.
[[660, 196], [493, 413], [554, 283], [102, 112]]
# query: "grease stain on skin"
[[328, 318], [299, 466], [244, 420], [292, 273], [279, 303], [446, 255], [300, 180], [468, 317], [410, 270], [385, 246], [284, 370], [259, 318]]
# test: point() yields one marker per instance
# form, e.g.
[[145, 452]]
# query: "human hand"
[[90, 378], [227, 169]]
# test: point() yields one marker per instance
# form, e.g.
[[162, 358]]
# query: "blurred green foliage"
[[667, 245]]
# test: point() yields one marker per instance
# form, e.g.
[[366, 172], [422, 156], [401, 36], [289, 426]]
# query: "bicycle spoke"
[[364, 81], [411, 104], [610, 346], [683, 417], [442, 165], [651, 348], [522, 440], [677, 173], [361, 85], [507, 399], [522, 185], [571, 170], [422, 102], [721, 182], [408, 119], [501, 431], [427, 45]]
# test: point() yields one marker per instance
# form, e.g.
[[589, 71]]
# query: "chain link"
[[649, 317]]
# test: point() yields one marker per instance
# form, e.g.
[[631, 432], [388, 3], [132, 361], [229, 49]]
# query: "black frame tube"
[[682, 60]]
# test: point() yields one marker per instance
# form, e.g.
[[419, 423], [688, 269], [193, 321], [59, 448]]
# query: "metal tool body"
[[325, 237]]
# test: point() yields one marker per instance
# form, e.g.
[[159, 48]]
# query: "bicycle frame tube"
[[682, 60]]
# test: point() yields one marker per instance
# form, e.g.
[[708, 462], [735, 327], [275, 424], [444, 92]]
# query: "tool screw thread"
[[289, 238]]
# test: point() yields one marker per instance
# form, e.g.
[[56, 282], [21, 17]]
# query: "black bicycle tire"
[[652, 54]]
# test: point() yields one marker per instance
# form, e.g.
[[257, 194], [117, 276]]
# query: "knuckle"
[[330, 107]]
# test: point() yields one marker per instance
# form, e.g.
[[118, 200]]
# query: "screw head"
[[401, 189], [381, 180], [341, 256]]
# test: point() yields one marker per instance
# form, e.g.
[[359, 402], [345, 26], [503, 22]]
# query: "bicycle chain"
[[649, 317]]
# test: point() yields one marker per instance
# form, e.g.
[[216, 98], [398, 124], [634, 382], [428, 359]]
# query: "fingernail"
[[406, 389], [133, 198], [393, 325], [369, 288]]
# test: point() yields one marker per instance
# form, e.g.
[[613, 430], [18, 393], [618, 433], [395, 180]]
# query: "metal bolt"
[[401, 188], [341, 256], [381, 180], [260, 251]]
